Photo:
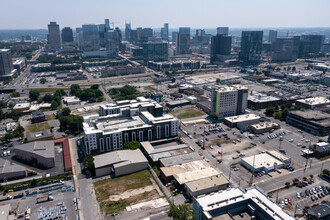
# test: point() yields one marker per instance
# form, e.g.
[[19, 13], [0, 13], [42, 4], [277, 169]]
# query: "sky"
[[36, 14]]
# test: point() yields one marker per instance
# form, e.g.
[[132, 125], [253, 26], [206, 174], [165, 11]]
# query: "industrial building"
[[39, 136], [269, 161], [313, 103], [228, 101], [258, 100], [321, 149], [10, 171], [206, 185], [155, 151], [120, 163], [242, 122], [226, 204], [129, 120], [311, 121], [319, 212], [41, 153], [187, 172], [263, 127], [179, 159]]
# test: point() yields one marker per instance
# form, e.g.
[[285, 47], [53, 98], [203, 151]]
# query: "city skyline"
[[196, 14]]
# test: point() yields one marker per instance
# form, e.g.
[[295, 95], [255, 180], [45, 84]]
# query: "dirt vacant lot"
[[184, 113]]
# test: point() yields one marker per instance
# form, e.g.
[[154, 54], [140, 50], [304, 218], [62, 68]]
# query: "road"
[[280, 181], [87, 203], [106, 95]]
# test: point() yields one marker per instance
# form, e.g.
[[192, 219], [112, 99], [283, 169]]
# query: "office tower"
[[134, 36], [54, 37], [102, 30], [310, 45], [164, 32], [28, 37], [272, 36], [285, 49], [251, 47], [91, 37], [200, 34], [146, 34], [223, 30], [112, 41], [128, 32], [107, 24], [120, 37], [183, 41], [6, 63], [174, 36], [139, 32], [228, 101], [220, 45], [67, 35], [79, 38], [155, 51]]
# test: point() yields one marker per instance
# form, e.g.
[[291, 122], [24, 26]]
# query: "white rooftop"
[[262, 161], [314, 101], [242, 118]]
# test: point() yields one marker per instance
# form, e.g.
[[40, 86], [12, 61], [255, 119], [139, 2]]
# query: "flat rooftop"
[[262, 160], [203, 79], [208, 182], [317, 117], [180, 159], [191, 166], [232, 196], [314, 101], [264, 125], [43, 148], [260, 97], [242, 118], [193, 175]]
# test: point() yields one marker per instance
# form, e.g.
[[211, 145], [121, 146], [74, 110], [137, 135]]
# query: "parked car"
[[298, 195]]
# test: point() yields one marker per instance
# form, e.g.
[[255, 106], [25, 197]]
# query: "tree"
[[218, 80], [16, 114], [289, 68], [89, 164], [325, 172], [34, 95], [270, 110], [15, 94], [48, 98], [72, 123], [66, 111], [181, 212], [167, 72], [33, 182], [54, 105], [1, 114], [304, 178], [74, 89], [284, 114], [287, 184], [295, 181], [173, 80], [311, 176], [43, 80], [95, 87], [3, 104], [294, 68], [278, 69], [132, 145], [277, 115]]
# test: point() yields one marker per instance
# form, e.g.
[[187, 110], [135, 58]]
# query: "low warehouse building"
[[242, 122], [11, 171], [267, 162], [39, 136], [263, 127], [206, 185], [41, 153], [120, 162]]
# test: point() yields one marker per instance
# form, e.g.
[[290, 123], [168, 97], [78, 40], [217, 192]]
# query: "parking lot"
[[289, 199], [62, 204]]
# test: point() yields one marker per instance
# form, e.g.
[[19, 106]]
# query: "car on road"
[[207, 160], [300, 131], [299, 144], [291, 140], [238, 151], [236, 169], [211, 147]]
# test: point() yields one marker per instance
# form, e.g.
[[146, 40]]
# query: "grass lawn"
[[107, 187], [187, 113], [41, 90], [149, 88], [37, 127], [50, 117]]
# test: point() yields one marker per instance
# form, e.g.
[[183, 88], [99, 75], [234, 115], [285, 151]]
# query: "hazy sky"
[[36, 14]]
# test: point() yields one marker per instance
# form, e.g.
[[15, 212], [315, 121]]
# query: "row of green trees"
[[126, 92], [92, 94], [70, 123]]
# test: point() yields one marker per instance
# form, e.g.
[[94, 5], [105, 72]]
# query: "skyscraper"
[[107, 24], [174, 36], [272, 36], [310, 45], [251, 47], [67, 35], [54, 36], [128, 32], [79, 38], [112, 42], [285, 49], [155, 51], [220, 45], [6, 63], [146, 34], [91, 37], [164, 32], [183, 41], [223, 30], [102, 30], [120, 37]]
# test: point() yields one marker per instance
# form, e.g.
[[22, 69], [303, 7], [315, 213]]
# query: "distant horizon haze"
[[241, 14]]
